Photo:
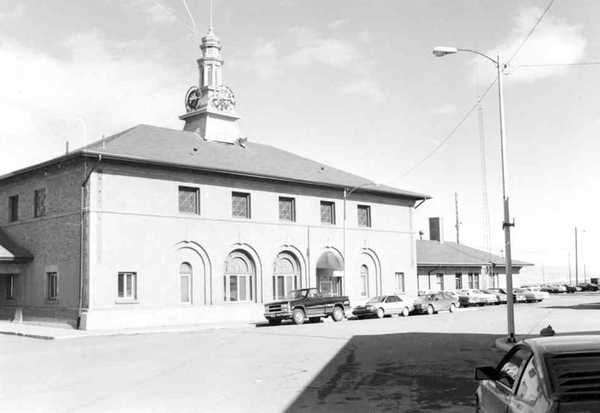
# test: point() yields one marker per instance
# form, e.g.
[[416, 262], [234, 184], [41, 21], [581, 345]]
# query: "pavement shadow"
[[584, 306], [408, 372]]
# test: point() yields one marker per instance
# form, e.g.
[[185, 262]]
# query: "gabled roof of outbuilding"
[[10, 250], [453, 254], [178, 148]]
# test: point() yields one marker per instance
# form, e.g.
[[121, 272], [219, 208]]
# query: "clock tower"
[[210, 106]]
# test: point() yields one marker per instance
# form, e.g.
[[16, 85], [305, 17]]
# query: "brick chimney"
[[436, 229]]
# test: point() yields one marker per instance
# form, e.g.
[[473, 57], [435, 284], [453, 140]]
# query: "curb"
[[504, 345]]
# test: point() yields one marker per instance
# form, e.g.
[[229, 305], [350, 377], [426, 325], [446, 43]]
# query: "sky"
[[349, 83]]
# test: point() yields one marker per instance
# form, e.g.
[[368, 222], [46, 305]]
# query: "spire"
[[210, 106]]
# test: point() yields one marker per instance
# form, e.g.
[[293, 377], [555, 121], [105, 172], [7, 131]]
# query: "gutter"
[[81, 234]]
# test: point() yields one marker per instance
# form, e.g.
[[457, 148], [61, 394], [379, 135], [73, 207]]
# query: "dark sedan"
[[432, 303], [384, 305], [547, 374]]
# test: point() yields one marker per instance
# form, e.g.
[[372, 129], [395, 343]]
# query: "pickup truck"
[[306, 303]]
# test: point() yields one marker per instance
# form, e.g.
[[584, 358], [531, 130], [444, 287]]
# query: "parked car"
[[475, 297], [570, 288], [538, 290], [560, 288], [432, 303], [548, 289], [588, 287], [306, 303], [499, 295], [538, 295], [546, 374], [528, 295], [453, 294], [383, 305]]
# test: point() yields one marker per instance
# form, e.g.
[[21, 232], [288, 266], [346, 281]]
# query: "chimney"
[[436, 229]]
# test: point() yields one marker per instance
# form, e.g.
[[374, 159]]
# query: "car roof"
[[565, 344]]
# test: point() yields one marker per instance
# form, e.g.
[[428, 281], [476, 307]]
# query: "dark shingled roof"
[[10, 251], [146, 143], [453, 254]]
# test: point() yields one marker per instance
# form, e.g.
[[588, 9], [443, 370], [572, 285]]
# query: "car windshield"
[[477, 291], [377, 299]]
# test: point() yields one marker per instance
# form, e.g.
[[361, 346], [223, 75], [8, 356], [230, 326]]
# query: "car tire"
[[274, 322], [298, 316], [380, 313], [430, 310], [405, 312], [452, 308], [314, 320], [338, 314]]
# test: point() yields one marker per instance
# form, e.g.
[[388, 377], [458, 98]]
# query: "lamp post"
[[576, 257], [506, 224], [347, 193]]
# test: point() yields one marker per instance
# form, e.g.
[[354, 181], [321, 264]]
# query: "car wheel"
[[274, 322], [338, 314], [452, 308], [405, 312], [298, 316], [380, 313], [314, 320], [430, 310]]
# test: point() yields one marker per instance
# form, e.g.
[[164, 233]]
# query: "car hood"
[[278, 302]]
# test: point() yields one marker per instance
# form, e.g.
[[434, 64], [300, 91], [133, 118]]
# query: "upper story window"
[[13, 208], [287, 209], [189, 200], [364, 215], [51, 285], [327, 212], [39, 203], [240, 205]]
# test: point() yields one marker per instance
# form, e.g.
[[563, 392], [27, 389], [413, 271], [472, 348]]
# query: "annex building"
[[155, 226]]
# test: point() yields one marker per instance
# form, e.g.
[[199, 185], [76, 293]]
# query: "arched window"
[[286, 275], [238, 281], [185, 277], [364, 281]]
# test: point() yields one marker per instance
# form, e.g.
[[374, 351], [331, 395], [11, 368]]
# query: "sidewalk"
[[50, 332]]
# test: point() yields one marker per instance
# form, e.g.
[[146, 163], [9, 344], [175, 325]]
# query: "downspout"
[[429, 275], [81, 234]]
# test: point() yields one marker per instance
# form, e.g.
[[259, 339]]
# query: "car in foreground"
[[500, 296], [546, 374], [383, 305], [432, 303], [475, 297]]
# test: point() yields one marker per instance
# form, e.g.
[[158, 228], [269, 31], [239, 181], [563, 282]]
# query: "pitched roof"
[[178, 148], [453, 254], [10, 250]]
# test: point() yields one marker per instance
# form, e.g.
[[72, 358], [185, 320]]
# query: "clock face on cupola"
[[210, 106]]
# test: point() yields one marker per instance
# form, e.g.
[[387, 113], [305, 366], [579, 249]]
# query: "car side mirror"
[[486, 373]]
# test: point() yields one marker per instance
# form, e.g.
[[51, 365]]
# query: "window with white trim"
[[52, 285], [127, 285], [39, 202], [287, 209], [364, 215], [10, 287], [439, 280], [400, 287], [286, 274], [185, 278], [364, 281], [327, 212], [240, 205], [238, 280], [189, 200]]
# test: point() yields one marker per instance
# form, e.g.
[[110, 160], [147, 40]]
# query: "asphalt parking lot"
[[419, 363]]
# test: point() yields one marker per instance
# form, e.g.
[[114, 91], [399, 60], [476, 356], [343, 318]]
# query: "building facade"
[[155, 226]]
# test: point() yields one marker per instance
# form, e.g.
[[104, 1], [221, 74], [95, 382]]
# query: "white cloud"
[[448, 109], [43, 96], [554, 41], [367, 88], [17, 12], [336, 24]]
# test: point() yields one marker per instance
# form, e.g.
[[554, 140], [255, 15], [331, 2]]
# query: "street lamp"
[[576, 255], [441, 52]]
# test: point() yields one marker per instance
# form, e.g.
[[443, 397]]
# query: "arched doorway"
[[329, 274], [239, 278], [286, 275]]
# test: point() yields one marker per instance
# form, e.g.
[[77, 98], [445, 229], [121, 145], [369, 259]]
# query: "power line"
[[449, 135], [531, 31], [560, 64]]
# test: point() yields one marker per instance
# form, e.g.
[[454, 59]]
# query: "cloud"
[[303, 49], [17, 12], [336, 24], [44, 96], [448, 109], [554, 41]]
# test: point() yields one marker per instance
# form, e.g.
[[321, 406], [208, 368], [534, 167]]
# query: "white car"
[[474, 296]]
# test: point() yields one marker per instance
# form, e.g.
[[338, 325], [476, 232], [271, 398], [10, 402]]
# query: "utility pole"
[[576, 266], [457, 221]]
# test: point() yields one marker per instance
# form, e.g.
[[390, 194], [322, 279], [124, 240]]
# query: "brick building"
[[155, 226]]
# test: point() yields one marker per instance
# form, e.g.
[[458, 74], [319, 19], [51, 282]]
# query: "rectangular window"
[[364, 285], [287, 209], [127, 285], [473, 281], [458, 281], [400, 282], [240, 205], [10, 287], [13, 208], [52, 285], [364, 216], [189, 200], [327, 212], [185, 288], [439, 278], [39, 203]]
